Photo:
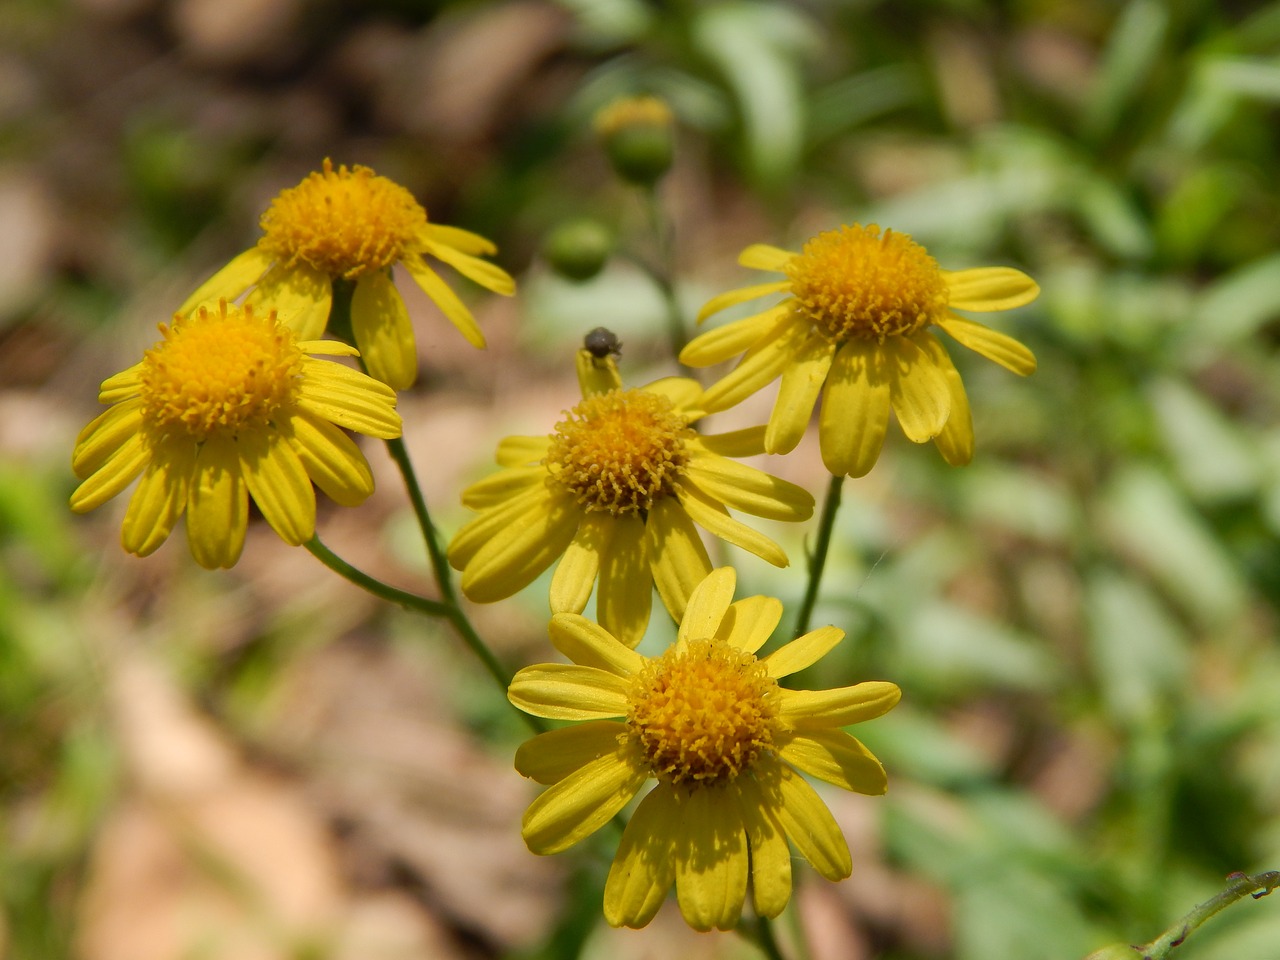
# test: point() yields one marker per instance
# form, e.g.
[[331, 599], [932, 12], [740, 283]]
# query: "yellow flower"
[[228, 405], [348, 224], [856, 328], [709, 721], [617, 490]]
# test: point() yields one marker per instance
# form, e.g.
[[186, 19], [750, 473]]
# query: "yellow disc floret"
[[619, 451], [217, 372], [343, 222], [702, 713], [859, 283]]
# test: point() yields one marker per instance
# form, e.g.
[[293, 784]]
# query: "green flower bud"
[[578, 249], [638, 135]]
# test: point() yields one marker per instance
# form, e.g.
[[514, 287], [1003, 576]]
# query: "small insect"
[[601, 342]]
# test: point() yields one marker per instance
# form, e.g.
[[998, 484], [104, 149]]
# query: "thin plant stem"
[[383, 591], [663, 274], [448, 607], [1239, 885], [426, 606], [760, 933], [818, 559]]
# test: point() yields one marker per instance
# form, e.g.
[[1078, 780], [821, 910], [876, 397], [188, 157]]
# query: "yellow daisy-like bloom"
[[349, 224], [709, 721], [228, 405], [617, 490], [856, 328]]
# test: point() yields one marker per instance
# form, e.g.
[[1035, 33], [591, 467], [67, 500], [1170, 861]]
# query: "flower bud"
[[578, 249], [638, 136]]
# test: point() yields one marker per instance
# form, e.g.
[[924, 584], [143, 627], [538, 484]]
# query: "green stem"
[[1259, 885], [818, 559], [448, 607], [383, 591], [766, 940], [664, 274]]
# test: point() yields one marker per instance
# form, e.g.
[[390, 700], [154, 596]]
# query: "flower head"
[[352, 225], [856, 328], [614, 493], [638, 136], [709, 721], [226, 406]]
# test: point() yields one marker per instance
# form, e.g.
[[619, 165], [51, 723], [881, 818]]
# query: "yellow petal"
[[106, 435], [731, 298], [836, 757], [762, 256], [684, 393], [810, 825], [597, 374], [300, 295], [520, 451], [625, 595], [747, 442], [676, 555], [453, 308], [160, 498], [478, 531], [566, 691], [645, 865], [576, 572], [218, 509], [801, 383], [855, 410], [279, 485], [770, 853], [116, 473], [990, 288], [503, 486], [121, 386], [581, 803], [382, 330], [715, 519], [841, 706], [747, 489], [328, 348], [459, 239], [918, 390], [550, 757], [721, 343], [803, 651], [993, 345], [711, 860], [591, 645], [708, 605], [955, 442], [760, 365], [749, 623], [332, 460], [230, 281], [512, 559], [474, 269], [348, 398]]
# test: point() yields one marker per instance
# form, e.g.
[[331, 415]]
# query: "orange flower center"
[[217, 373], [619, 451], [859, 283], [703, 712], [343, 222]]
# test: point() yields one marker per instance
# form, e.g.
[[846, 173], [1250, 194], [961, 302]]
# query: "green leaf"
[[1138, 649], [758, 48], [1212, 455], [1235, 306], [1133, 49], [1151, 521]]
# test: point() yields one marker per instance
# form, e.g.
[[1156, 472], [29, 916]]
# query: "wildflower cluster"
[[621, 497]]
